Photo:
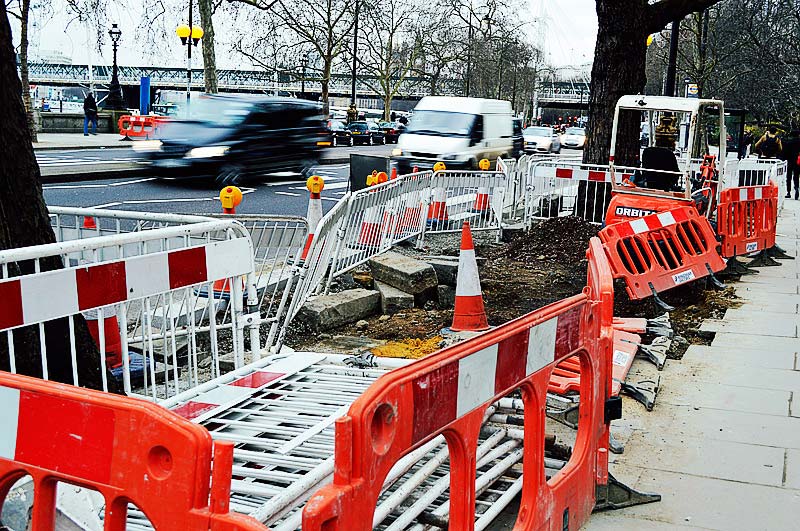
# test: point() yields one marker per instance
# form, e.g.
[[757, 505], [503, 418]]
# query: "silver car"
[[540, 139]]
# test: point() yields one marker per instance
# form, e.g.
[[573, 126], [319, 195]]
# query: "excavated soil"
[[534, 269]]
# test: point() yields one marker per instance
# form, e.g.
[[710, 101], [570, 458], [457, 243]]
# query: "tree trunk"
[[387, 105], [24, 222], [25, 10], [325, 82], [209, 57], [619, 69]]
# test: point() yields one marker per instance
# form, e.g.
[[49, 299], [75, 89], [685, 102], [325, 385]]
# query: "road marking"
[[122, 183], [290, 194], [281, 183], [334, 199]]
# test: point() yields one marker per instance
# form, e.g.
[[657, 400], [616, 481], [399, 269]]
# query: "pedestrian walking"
[[791, 151], [89, 114], [769, 146], [744, 143]]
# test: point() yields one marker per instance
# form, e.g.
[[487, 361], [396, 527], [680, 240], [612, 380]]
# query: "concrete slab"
[[771, 344], [758, 324], [612, 521], [392, 299], [330, 311], [715, 504], [403, 272], [738, 375], [717, 459], [792, 470], [741, 357], [726, 397], [745, 313], [746, 284]]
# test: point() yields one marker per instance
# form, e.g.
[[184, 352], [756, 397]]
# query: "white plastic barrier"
[[142, 285]]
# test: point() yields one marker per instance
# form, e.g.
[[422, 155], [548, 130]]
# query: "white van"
[[456, 131]]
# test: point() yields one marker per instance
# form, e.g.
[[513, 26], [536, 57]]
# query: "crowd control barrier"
[[146, 277], [130, 451], [449, 392], [661, 251], [746, 219]]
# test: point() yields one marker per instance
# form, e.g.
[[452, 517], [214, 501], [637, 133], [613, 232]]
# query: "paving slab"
[[751, 283], [736, 355], [739, 375], [758, 324], [711, 458], [716, 504], [771, 344], [613, 522], [792, 470], [727, 397]]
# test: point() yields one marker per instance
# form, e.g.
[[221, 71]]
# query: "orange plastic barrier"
[[138, 126], [129, 450], [746, 219], [448, 393], [660, 251], [566, 377]]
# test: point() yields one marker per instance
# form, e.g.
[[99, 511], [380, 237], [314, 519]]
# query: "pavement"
[[722, 445]]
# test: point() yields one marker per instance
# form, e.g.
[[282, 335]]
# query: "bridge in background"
[[550, 94]]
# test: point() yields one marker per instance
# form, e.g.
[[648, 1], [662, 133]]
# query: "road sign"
[[691, 90]]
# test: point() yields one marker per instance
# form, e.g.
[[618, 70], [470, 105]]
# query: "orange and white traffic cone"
[[393, 176], [437, 210], [89, 223], [315, 185], [410, 220], [469, 314], [481, 205], [371, 228]]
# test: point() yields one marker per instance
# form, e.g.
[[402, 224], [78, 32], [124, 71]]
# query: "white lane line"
[[83, 162], [121, 183], [334, 199], [290, 194], [281, 183]]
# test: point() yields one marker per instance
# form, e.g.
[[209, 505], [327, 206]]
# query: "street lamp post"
[[355, 55], [190, 35], [115, 101], [303, 79]]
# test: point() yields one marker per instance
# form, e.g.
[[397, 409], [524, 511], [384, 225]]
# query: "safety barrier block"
[[448, 393], [129, 450], [746, 219], [661, 251]]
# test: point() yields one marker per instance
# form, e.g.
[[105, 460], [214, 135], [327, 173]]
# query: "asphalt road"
[[283, 194]]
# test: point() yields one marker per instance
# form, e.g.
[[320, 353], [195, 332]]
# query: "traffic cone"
[[315, 184], [481, 205], [393, 176], [371, 227], [89, 223], [437, 211], [469, 314], [410, 221]]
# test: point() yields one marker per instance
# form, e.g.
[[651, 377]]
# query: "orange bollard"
[[230, 197]]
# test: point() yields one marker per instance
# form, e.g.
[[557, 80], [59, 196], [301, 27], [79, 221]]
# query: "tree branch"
[[664, 12]]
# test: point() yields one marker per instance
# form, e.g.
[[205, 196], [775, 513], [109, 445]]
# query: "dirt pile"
[[409, 348]]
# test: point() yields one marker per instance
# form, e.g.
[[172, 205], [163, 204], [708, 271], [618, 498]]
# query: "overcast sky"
[[568, 32]]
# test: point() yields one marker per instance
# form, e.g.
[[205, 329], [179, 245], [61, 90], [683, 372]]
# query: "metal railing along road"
[[141, 281]]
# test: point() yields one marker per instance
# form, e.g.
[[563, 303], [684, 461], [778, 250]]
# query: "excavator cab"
[[677, 167]]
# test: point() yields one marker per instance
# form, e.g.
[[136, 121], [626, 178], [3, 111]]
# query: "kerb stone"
[[331, 311], [404, 273], [392, 299]]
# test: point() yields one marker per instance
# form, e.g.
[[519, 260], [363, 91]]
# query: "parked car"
[[457, 131], [392, 131], [338, 134], [517, 139], [366, 133], [574, 137], [228, 138], [541, 140]]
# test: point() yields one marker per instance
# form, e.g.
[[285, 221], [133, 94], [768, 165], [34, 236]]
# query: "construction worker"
[[769, 146], [661, 157]]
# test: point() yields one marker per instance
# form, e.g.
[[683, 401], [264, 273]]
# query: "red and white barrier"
[[437, 210]]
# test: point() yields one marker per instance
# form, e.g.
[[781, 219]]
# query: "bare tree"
[[325, 27], [206, 9], [389, 47]]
